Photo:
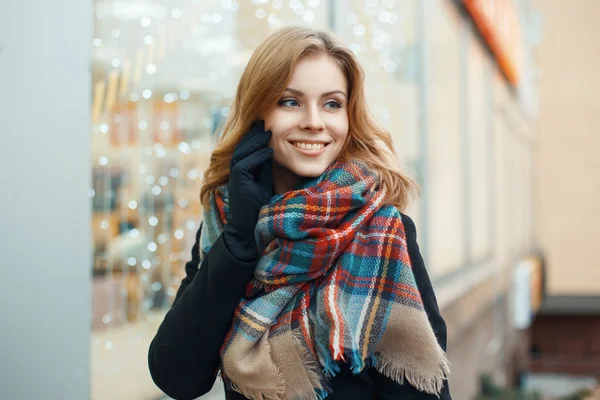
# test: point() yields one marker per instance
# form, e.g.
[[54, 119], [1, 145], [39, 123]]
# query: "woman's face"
[[310, 121]]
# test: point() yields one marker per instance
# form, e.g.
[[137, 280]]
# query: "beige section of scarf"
[[291, 372], [280, 368], [409, 349], [252, 370]]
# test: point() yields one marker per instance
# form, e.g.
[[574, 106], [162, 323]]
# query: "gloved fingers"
[[255, 159], [255, 142]]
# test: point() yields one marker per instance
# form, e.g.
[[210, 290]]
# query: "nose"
[[311, 120]]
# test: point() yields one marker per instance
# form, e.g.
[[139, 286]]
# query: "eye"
[[333, 105], [289, 102]]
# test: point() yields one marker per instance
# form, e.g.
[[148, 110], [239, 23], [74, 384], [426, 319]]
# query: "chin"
[[309, 170]]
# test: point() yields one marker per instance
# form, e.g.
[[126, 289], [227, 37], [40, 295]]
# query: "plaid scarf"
[[333, 284]]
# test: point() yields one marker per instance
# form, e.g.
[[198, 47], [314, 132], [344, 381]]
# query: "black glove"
[[250, 187]]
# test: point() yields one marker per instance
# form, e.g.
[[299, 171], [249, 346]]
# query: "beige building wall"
[[569, 147]]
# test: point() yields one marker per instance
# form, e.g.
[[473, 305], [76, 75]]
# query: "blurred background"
[[109, 111]]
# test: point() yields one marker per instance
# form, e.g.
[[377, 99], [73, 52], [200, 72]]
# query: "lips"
[[310, 148]]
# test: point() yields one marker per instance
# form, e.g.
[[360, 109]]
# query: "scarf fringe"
[[255, 283], [331, 368], [255, 394], [310, 367], [310, 363], [428, 384]]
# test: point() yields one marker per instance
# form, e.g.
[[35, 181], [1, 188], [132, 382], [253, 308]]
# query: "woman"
[[306, 281]]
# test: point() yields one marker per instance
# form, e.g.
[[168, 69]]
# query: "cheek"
[[279, 124], [279, 121], [338, 128], [276, 135]]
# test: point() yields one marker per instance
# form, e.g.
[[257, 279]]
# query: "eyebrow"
[[299, 93]]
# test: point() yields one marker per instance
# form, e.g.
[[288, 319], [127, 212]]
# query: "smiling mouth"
[[309, 145]]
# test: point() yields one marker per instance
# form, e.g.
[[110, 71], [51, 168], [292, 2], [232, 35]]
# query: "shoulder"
[[409, 225], [410, 234]]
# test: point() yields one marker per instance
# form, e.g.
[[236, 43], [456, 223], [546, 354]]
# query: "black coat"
[[184, 354]]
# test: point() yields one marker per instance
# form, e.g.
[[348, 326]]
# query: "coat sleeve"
[[388, 388], [183, 357]]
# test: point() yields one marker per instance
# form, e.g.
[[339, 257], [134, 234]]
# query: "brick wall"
[[566, 344]]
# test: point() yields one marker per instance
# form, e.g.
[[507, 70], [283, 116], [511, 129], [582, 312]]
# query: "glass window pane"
[[501, 133], [445, 185], [479, 154], [383, 35]]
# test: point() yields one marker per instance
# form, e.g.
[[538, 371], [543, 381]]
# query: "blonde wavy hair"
[[264, 80]]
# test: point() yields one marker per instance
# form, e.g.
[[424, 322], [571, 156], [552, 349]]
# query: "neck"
[[284, 180]]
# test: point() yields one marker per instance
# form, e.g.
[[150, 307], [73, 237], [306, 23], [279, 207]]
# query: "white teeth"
[[309, 146]]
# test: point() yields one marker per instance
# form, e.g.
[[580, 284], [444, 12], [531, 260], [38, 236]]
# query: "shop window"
[[164, 75]]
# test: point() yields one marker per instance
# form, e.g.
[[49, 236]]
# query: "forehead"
[[318, 73]]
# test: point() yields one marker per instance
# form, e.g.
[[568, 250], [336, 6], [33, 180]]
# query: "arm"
[[184, 355], [426, 289], [388, 388]]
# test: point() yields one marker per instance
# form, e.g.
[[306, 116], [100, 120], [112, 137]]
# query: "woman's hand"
[[250, 187]]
